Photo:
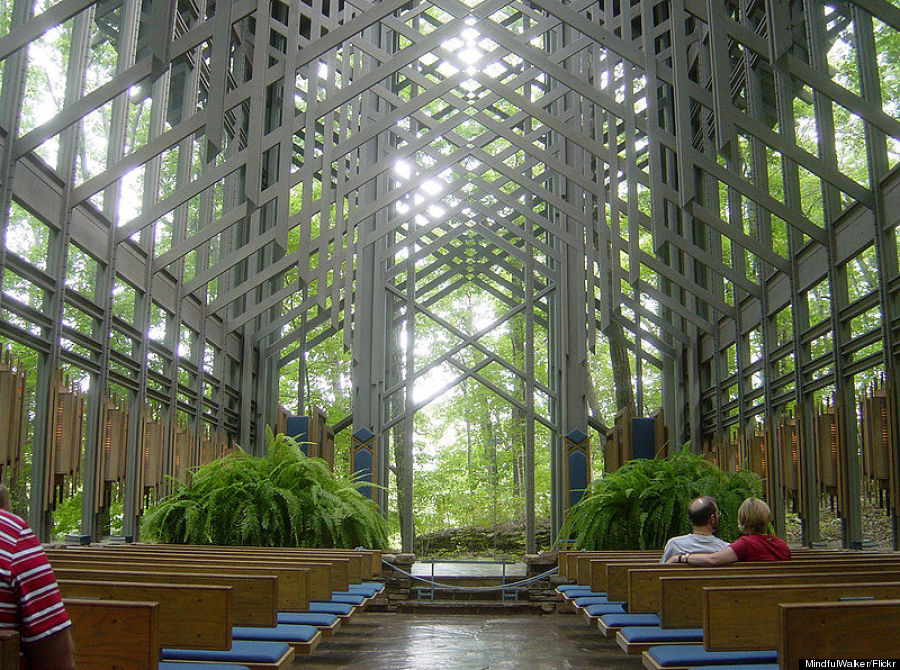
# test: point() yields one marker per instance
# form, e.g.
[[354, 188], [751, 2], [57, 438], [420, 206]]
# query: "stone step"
[[489, 607], [424, 592]]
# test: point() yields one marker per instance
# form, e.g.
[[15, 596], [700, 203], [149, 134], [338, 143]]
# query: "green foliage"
[[645, 502], [282, 499], [67, 516]]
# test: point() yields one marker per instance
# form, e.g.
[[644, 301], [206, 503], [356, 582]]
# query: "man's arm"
[[53, 652], [670, 550]]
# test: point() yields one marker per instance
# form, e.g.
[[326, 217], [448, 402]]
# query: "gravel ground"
[[876, 526]]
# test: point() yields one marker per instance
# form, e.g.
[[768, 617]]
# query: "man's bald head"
[[702, 510]]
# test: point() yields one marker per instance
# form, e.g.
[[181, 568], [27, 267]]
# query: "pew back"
[[837, 630], [370, 559], [642, 584], [294, 588], [330, 574], [255, 596], [746, 618], [681, 599], [9, 650], [585, 565], [114, 635], [568, 560], [352, 566], [613, 571], [191, 616]]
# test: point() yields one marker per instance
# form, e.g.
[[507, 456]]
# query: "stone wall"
[[506, 539]]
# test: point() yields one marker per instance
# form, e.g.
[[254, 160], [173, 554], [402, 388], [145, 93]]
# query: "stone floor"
[[387, 641]]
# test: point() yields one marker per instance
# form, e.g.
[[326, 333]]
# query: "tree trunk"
[[596, 413], [402, 458], [621, 367], [517, 444]]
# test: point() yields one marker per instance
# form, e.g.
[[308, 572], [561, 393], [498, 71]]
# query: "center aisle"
[[385, 641]]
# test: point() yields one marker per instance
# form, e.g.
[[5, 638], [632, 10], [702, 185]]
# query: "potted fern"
[[643, 503], [283, 499]]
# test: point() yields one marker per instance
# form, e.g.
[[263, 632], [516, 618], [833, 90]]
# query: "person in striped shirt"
[[29, 597]]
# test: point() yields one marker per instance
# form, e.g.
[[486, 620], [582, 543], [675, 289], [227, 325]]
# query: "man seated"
[[755, 544], [704, 515], [29, 596]]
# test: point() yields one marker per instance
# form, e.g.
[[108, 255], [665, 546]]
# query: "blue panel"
[[577, 475], [362, 469], [364, 435], [642, 438], [575, 436], [298, 428]]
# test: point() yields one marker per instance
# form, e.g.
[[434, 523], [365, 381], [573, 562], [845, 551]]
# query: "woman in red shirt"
[[755, 544]]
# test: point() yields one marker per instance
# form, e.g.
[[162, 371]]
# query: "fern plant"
[[283, 499], [645, 502]]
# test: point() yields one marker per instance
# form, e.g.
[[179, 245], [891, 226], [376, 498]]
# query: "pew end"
[[9, 650], [112, 634], [837, 630]]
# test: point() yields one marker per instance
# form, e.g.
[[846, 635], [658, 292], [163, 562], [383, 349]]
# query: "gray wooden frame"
[[607, 138]]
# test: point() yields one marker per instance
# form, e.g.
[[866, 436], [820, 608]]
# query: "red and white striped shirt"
[[29, 597]]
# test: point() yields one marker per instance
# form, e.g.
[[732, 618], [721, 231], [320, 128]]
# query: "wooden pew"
[[567, 561], [342, 567], [598, 575], [598, 560], [195, 617], [619, 576], [294, 592], [320, 589], [255, 597], [741, 618], [291, 594], [832, 630], [583, 564], [113, 634], [191, 616], [353, 565], [639, 585], [322, 577], [601, 574], [369, 559], [9, 650], [681, 598]]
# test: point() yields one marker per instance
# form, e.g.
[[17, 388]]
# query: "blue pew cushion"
[[637, 634], [377, 585], [338, 609], [307, 618], [368, 590], [566, 588], [364, 592], [163, 665], [748, 666], [347, 598], [607, 608], [242, 651], [283, 632], [584, 601], [619, 620], [690, 655]]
